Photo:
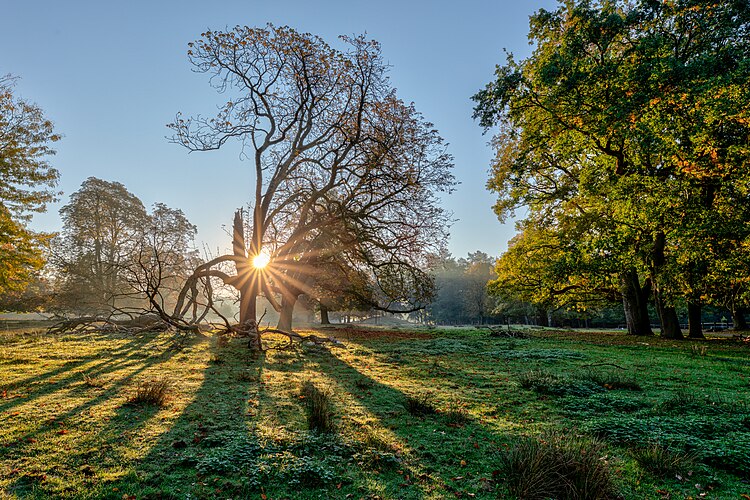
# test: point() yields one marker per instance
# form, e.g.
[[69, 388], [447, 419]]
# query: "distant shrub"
[[319, 408], [663, 461], [419, 406], [556, 466], [151, 392]]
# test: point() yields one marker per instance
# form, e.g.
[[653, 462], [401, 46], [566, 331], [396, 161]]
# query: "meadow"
[[396, 413]]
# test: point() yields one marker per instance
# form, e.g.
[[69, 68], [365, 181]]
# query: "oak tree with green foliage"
[[27, 182], [628, 129]]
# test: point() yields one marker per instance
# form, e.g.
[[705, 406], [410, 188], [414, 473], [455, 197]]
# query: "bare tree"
[[342, 166]]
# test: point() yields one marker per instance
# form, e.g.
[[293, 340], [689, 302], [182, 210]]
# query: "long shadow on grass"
[[47, 383], [447, 450], [216, 416], [64, 437]]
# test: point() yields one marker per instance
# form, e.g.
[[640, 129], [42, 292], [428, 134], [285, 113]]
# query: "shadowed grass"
[[235, 426]]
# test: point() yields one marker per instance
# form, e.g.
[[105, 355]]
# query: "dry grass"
[[153, 392]]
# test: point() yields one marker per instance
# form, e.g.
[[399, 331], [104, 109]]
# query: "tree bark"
[[288, 300], [246, 284], [738, 318], [695, 328], [670, 323], [324, 320], [635, 303]]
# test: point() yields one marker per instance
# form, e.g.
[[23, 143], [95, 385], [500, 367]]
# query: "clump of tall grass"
[[319, 408], [661, 461], [419, 406], [557, 466], [153, 392]]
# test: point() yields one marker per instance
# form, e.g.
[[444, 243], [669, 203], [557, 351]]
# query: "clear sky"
[[111, 75]]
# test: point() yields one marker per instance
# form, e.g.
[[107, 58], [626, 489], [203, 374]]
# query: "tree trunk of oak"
[[324, 320], [635, 303], [695, 328], [738, 318], [670, 323], [288, 300]]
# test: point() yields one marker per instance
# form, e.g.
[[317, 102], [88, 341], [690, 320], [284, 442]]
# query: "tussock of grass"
[[662, 461], [153, 392], [419, 406], [93, 381], [319, 408], [612, 379], [545, 382], [697, 350], [557, 466]]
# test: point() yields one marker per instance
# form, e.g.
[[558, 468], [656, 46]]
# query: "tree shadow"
[[47, 383], [71, 438], [434, 446]]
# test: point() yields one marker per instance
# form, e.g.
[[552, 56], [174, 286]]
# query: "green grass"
[[234, 425]]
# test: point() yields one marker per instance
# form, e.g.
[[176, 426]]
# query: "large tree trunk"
[[695, 328], [635, 303], [670, 323], [324, 320], [738, 318], [246, 284], [288, 300]]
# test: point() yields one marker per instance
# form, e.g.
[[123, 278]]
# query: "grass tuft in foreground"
[[153, 392], [557, 466], [319, 408]]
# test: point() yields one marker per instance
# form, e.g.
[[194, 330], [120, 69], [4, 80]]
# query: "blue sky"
[[111, 75]]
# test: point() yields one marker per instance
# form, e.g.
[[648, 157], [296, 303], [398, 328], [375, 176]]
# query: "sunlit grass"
[[232, 427]]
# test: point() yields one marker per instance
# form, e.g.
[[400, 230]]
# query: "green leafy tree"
[[27, 182], [625, 124]]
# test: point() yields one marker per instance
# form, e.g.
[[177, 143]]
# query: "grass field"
[[443, 413]]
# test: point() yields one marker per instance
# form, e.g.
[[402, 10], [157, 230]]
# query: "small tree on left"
[[114, 259], [27, 184]]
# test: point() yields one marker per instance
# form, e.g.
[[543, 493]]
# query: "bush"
[[663, 461], [557, 466], [319, 408], [151, 392]]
